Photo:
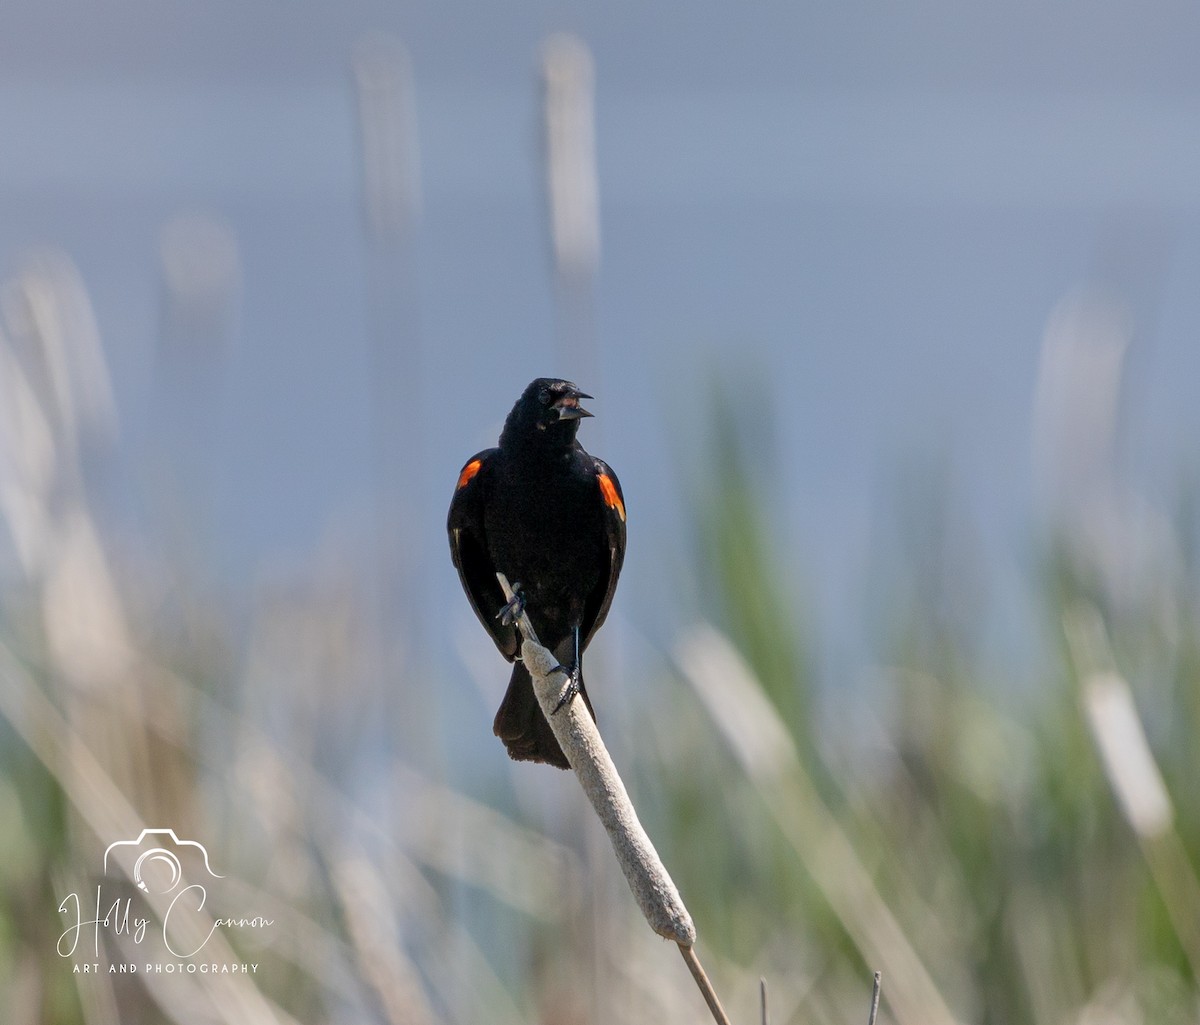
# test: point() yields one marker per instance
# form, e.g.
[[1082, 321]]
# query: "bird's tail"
[[522, 726]]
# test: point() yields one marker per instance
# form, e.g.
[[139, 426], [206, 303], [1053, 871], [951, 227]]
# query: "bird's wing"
[[468, 549], [608, 490]]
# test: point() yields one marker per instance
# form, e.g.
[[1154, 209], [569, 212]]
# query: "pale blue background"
[[872, 207]]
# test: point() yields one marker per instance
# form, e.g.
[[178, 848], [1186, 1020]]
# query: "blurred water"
[[881, 236]]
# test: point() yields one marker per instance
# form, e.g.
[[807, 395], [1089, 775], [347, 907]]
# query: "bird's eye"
[[544, 396]]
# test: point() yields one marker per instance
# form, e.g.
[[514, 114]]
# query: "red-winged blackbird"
[[551, 518]]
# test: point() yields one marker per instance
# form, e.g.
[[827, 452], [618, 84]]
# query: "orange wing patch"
[[612, 497], [468, 472]]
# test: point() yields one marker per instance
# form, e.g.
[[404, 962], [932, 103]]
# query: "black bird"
[[551, 518]]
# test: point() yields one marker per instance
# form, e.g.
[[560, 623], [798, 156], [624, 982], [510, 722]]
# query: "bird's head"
[[548, 407]]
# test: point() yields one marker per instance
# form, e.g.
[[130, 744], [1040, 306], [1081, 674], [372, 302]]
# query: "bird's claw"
[[570, 688], [512, 609]]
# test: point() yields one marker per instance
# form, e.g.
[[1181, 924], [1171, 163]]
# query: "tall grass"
[[1003, 851]]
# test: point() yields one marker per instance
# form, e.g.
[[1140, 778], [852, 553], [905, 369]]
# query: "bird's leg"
[[574, 678], [511, 610]]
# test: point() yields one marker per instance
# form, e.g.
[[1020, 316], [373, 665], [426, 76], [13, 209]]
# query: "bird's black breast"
[[546, 531]]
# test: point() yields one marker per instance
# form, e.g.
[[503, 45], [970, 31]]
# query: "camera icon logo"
[[157, 868]]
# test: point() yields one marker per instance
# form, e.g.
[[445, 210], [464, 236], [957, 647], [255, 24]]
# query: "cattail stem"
[[580, 741], [875, 998]]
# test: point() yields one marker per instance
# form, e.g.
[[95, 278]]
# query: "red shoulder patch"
[[468, 472], [612, 497]]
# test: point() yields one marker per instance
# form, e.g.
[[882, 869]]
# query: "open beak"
[[569, 408]]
